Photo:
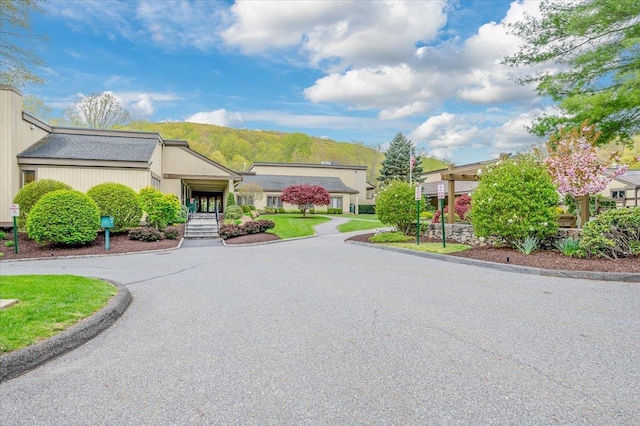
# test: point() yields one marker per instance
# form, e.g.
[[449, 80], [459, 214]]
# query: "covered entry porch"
[[206, 192]]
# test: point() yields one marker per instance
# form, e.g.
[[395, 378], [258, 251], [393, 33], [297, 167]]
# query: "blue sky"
[[348, 70]]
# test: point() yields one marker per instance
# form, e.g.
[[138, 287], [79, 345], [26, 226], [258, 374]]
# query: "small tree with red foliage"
[[305, 196]]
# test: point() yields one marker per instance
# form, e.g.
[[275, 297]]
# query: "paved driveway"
[[318, 331]]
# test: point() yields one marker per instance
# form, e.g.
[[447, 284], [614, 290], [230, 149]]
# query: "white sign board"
[[14, 210], [441, 191], [418, 193]]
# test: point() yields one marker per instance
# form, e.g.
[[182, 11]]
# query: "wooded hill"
[[237, 149]]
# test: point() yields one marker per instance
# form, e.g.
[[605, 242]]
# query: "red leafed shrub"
[[305, 196], [462, 207], [254, 227]]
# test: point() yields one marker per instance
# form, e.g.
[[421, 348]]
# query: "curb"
[[627, 277], [268, 242], [85, 256], [21, 361]]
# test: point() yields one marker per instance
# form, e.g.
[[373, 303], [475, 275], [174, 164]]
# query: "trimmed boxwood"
[[145, 233], [29, 195], [233, 212], [64, 217], [253, 227], [119, 201]]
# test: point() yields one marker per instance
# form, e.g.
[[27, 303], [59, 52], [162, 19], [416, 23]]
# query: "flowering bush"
[[573, 163], [515, 199]]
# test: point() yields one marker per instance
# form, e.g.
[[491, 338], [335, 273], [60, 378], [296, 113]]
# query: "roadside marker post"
[[418, 197], [441, 200], [14, 212]]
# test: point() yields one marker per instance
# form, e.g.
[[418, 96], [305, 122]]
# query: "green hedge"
[[119, 201], [64, 217], [29, 195], [612, 234], [366, 209]]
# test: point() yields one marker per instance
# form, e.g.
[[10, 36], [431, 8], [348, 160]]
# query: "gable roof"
[[306, 165], [276, 183], [92, 147]]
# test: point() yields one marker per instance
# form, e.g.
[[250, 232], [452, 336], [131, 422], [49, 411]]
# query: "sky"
[[352, 71]]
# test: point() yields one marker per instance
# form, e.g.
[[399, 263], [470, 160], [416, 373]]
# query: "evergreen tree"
[[397, 162]]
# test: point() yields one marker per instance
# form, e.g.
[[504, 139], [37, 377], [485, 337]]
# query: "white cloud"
[[425, 77], [219, 117], [143, 104], [337, 33]]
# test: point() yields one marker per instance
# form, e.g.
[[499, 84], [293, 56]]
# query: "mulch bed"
[[545, 259], [117, 244], [252, 238]]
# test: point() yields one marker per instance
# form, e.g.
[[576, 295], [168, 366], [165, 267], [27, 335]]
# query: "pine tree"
[[397, 161]]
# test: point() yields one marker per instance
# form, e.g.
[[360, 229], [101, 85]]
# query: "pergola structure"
[[468, 172]]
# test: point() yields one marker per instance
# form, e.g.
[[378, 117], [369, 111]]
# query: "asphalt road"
[[318, 331]]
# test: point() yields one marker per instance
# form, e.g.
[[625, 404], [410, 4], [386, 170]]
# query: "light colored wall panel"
[[171, 186], [156, 160], [83, 178], [178, 160]]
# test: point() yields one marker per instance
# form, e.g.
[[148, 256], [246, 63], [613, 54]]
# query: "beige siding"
[[16, 135], [171, 186], [355, 179], [156, 160], [179, 160], [83, 178]]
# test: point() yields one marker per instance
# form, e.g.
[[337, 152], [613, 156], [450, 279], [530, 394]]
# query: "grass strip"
[[294, 225], [359, 225], [48, 304], [431, 247]]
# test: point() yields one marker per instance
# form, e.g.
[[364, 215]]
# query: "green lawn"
[[48, 305], [359, 225], [431, 247], [292, 225], [355, 216]]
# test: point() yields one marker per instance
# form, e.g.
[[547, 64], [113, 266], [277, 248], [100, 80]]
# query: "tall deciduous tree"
[[575, 168], [18, 57], [399, 158], [305, 196], [596, 44], [97, 111]]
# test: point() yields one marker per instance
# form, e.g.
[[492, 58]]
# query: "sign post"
[[14, 212], [106, 222], [418, 196], [441, 200]]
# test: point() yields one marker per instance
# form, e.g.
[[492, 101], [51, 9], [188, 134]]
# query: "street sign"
[[441, 191], [14, 210], [418, 193]]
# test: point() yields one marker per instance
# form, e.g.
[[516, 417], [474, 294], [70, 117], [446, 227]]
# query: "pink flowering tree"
[[574, 167], [305, 196]]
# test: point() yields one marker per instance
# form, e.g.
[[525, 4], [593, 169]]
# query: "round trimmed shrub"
[[396, 205], [161, 209], [515, 198], [233, 212], [64, 217], [29, 195], [119, 201]]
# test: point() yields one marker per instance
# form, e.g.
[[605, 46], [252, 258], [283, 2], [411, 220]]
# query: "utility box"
[[106, 221]]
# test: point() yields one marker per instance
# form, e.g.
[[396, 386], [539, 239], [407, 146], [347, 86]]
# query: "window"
[[371, 194], [28, 176], [274, 201], [245, 201], [620, 193], [336, 202]]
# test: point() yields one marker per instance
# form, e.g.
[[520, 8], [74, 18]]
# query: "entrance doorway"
[[206, 201]]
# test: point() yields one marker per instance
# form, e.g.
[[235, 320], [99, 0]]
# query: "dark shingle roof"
[[91, 147], [461, 187], [273, 183]]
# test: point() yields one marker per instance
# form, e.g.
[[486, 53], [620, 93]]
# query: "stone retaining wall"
[[463, 233]]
